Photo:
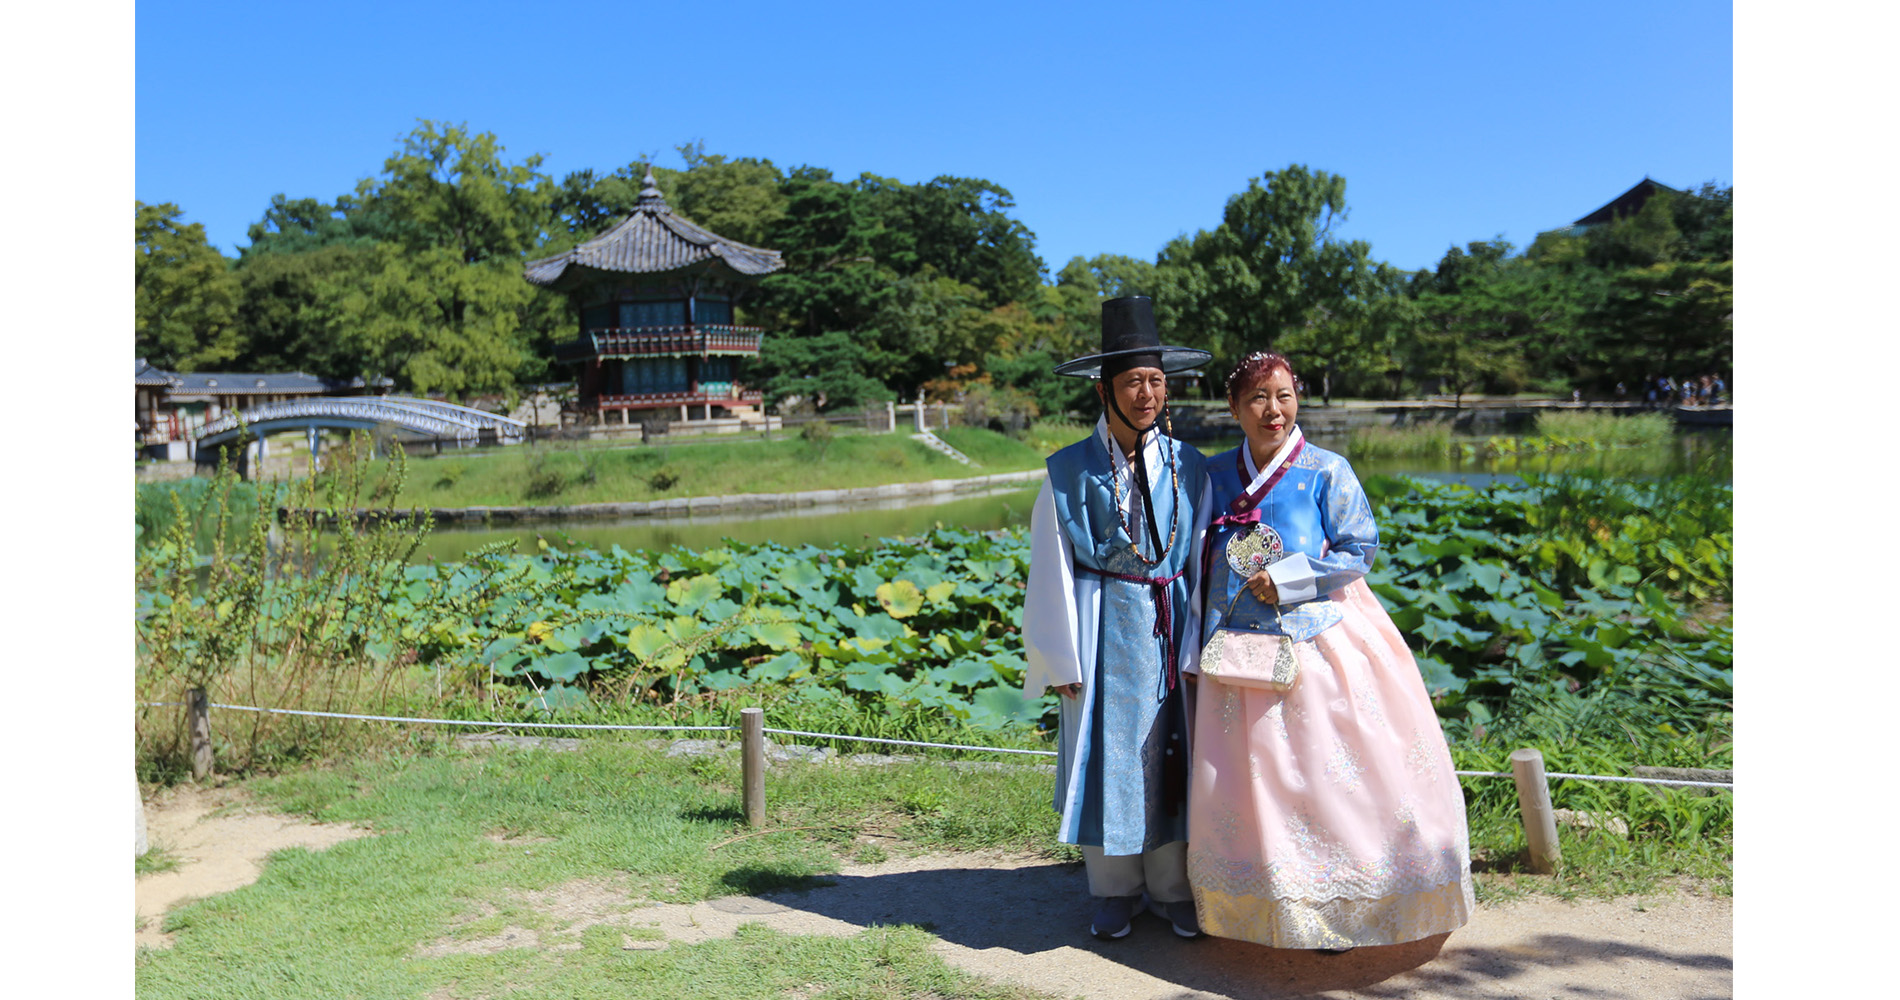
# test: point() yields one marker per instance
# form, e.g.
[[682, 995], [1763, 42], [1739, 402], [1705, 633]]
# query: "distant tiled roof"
[[246, 383], [145, 374], [1626, 204], [651, 241]]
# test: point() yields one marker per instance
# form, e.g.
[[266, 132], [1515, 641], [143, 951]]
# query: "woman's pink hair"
[[1253, 370]]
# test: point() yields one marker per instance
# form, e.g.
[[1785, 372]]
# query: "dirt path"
[[217, 853], [1021, 920]]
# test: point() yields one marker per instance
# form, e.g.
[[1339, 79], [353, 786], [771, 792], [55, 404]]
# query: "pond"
[[1703, 451]]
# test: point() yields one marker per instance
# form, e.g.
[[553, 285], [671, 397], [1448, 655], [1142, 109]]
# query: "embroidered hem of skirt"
[[1329, 923]]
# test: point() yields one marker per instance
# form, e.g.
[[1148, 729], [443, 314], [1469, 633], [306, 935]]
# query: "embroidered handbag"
[[1259, 661]]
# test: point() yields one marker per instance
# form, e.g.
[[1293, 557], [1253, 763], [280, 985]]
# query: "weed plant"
[[1637, 430], [1557, 432], [1426, 440], [283, 616]]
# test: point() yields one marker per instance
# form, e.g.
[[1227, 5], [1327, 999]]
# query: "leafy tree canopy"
[[185, 303]]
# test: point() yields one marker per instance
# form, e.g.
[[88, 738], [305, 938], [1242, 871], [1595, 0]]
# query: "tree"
[[1671, 317], [185, 299], [430, 320], [832, 365], [1263, 271], [301, 225], [1470, 323], [830, 280], [278, 307], [959, 227], [448, 188], [739, 199], [1355, 336]]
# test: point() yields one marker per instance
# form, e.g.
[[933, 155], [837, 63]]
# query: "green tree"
[[1648, 237], [1674, 317], [185, 300], [1261, 273], [1351, 341], [961, 228], [277, 308], [1471, 323], [834, 365], [831, 280], [430, 320], [449, 188], [301, 225], [739, 199]]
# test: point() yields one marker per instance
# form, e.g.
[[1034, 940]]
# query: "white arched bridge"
[[406, 415]]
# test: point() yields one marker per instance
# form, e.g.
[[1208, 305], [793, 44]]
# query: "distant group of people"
[[1696, 390], [1247, 748]]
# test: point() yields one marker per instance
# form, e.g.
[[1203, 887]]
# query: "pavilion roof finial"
[[650, 192]]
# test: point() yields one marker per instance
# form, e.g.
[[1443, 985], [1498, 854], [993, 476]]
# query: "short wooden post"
[[1533, 802], [144, 843], [752, 768], [199, 723]]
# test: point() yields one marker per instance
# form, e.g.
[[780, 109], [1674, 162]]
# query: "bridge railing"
[[423, 416]]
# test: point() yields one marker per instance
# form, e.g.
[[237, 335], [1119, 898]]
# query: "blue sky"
[[1115, 126]]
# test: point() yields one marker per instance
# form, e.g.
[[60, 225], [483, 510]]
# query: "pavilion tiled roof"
[[652, 241]]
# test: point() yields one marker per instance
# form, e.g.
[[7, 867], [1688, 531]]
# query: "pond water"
[[1703, 451]]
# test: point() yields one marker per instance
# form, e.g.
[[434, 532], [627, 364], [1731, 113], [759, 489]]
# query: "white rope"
[[861, 739], [908, 743], [462, 722], [1604, 777]]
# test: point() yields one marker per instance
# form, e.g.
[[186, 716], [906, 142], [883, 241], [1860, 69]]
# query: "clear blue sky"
[[1116, 126]]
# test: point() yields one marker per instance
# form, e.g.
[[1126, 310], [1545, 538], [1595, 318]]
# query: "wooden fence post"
[[199, 723], [144, 844], [752, 766], [1533, 802]]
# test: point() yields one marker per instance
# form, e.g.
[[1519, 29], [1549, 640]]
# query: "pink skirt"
[[1328, 816]]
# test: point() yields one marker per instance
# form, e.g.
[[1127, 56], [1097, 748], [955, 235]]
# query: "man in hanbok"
[[1110, 620]]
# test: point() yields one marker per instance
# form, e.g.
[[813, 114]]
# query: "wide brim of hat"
[[1173, 360]]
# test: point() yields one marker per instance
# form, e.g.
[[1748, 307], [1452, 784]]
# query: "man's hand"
[[1069, 690]]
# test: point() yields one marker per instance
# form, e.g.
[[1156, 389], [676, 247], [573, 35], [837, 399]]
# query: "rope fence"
[[1527, 764]]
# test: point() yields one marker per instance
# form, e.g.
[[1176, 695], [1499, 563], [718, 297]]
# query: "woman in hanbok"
[[1323, 813]]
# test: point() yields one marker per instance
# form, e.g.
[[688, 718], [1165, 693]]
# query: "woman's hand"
[[1069, 690], [1261, 585]]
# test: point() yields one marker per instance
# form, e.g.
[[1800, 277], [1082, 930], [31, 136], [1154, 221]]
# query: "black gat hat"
[[1130, 339]]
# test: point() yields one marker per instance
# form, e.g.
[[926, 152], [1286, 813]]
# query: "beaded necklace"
[[1174, 473]]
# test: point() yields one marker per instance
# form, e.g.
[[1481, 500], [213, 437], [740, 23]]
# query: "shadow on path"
[[1028, 924]]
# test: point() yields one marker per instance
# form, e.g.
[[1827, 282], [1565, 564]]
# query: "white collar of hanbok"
[[1150, 448], [1260, 476]]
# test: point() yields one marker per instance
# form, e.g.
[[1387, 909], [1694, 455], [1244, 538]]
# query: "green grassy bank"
[[566, 474]]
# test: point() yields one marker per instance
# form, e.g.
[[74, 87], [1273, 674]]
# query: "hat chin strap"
[[1108, 393], [1139, 465]]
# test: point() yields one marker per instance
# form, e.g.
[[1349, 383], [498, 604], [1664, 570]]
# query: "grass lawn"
[[464, 835], [551, 474], [466, 839]]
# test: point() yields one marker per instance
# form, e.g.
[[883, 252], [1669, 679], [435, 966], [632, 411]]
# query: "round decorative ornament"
[[1249, 552]]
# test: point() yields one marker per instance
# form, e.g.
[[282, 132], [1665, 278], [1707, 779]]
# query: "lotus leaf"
[[561, 666], [900, 598]]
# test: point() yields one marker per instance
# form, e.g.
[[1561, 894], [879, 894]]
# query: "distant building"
[[655, 296], [173, 406], [1620, 207]]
